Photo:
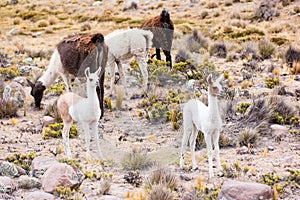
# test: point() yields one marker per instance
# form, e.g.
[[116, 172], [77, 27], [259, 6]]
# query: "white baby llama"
[[125, 44], [83, 110], [207, 119]]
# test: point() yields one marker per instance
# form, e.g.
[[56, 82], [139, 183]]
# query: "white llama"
[[83, 110], [207, 119], [125, 44]]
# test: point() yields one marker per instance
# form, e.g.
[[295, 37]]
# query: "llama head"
[[165, 17], [37, 91], [92, 79], [214, 87]]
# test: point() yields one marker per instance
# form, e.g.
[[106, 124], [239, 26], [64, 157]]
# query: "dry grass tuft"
[[136, 160], [162, 176], [160, 192]]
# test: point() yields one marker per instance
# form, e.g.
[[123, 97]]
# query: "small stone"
[[37, 195], [97, 3], [46, 120], [12, 32], [28, 60], [270, 148]]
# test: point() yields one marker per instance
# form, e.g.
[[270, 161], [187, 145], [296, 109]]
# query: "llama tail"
[[148, 36]]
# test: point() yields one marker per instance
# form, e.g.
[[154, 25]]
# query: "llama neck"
[[48, 77], [213, 108], [92, 97]]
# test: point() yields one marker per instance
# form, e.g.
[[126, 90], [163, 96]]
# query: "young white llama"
[[125, 44], [207, 119], [83, 110]]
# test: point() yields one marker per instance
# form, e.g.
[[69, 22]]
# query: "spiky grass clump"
[[55, 131], [266, 49], [8, 109], [266, 10], [196, 41], [160, 192], [249, 136], [292, 55], [219, 50], [136, 160], [164, 177]]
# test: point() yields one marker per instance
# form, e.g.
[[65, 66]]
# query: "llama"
[[207, 119], [70, 58], [162, 28], [125, 44], [83, 110]]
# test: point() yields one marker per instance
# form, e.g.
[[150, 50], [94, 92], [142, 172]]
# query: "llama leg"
[[208, 141], [66, 140], [187, 129], [96, 138], [66, 81], [168, 57], [142, 62], [217, 149], [122, 76], [157, 53], [87, 138], [192, 147], [100, 93], [112, 78]]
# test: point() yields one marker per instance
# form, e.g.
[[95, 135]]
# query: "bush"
[[266, 10], [266, 49], [196, 41], [219, 50], [55, 131], [160, 192], [8, 109], [136, 160], [164, 177]]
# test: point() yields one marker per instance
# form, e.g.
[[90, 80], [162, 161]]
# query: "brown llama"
[[70, 58], [162, 28]]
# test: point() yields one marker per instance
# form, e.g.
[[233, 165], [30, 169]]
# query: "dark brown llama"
[[70, 58], [162, 28]]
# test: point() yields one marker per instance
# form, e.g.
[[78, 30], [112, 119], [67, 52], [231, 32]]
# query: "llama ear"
[[30, 83], [209, 79], [98, 71], [87, 72]]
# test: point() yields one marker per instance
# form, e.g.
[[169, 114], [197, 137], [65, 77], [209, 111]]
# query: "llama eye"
[[91, 79]]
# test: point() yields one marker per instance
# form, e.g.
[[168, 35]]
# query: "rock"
[[28, 60], [7, 185], [40, 164], [5, 196], [14, 91], [97, 3], [46, 120], [279, 128], [12, 32], [27, 182], [9, 169], [109, 197], [245, 191], [61, 174], [270, 148], [38, 195]]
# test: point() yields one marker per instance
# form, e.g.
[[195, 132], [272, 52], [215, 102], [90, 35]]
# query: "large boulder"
[[27, 182], [61, 174], [245, 191], [7, 185], [40, 164], [38, 195]]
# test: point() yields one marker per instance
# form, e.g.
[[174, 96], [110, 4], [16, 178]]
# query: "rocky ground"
[[28, 36]]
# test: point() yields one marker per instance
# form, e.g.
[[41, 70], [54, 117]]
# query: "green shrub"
[[10, 72], [22, 160], [242, 107], [271, 82], [55, 131]]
